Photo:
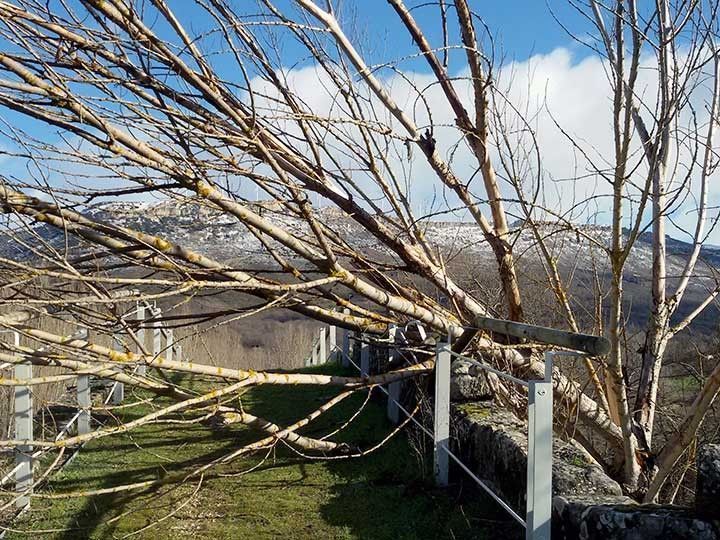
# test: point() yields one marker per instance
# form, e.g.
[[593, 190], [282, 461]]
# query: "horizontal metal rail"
[[593, 345], [537, 521], [82, 417], [25, 315], [9, 476], [403, 409]]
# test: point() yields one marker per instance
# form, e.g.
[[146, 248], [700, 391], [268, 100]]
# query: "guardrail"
[[537, 520], [23, 419], [334, 344], [324, 347], [538, 513]]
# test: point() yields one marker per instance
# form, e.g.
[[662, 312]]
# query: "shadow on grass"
[[389, 494], [393, 496], [130, 463], [386, 494]]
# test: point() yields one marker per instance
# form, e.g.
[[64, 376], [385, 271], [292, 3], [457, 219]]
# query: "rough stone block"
[[494, 440], [707, 492], [610, 518], [466, 384]]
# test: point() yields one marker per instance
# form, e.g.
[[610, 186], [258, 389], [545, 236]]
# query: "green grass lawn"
[[387, 494]]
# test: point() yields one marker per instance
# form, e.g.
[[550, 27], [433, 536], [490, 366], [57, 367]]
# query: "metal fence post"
[[346, 344], [140, 316], [322, 345], [364, 357], [442, 412], [332, 343], [157, 333], [169, 343], [23, 431], [314, 354], [539, 468], [118, 389], [394, 388], [83, 399]]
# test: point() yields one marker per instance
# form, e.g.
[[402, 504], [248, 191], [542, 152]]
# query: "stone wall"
[[707, 490], [594, 519], [587, 504]]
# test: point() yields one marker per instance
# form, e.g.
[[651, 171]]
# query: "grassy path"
[[384, 495]]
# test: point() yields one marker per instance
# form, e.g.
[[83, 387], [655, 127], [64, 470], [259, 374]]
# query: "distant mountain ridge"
[[223, 237], [579, 250]]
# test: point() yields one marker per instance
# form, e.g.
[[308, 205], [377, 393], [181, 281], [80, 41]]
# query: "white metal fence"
[[538, 512], [334, 344], [26, 457]]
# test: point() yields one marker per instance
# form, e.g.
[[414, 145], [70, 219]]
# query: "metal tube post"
[[314, 354], [322, 345], [332, 343], [169, 343], [84, 400], [539, 468], [140, 316], [394, 388], [364, 357], [441, 426], [118, 389], [346, 344], [23, 431], [157, 333]]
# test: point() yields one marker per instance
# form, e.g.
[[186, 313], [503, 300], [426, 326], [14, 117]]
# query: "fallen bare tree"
[[144, 106]]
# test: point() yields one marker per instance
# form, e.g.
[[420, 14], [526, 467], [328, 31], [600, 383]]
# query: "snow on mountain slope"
[[222, 237]]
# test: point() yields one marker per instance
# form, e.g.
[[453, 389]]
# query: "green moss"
[[476, 410]]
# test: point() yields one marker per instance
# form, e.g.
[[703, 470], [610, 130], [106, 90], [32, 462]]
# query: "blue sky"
[[520, 28], [555, 73]]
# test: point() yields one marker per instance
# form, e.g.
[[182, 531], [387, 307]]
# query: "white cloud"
[[545, 90], [548, 89]]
